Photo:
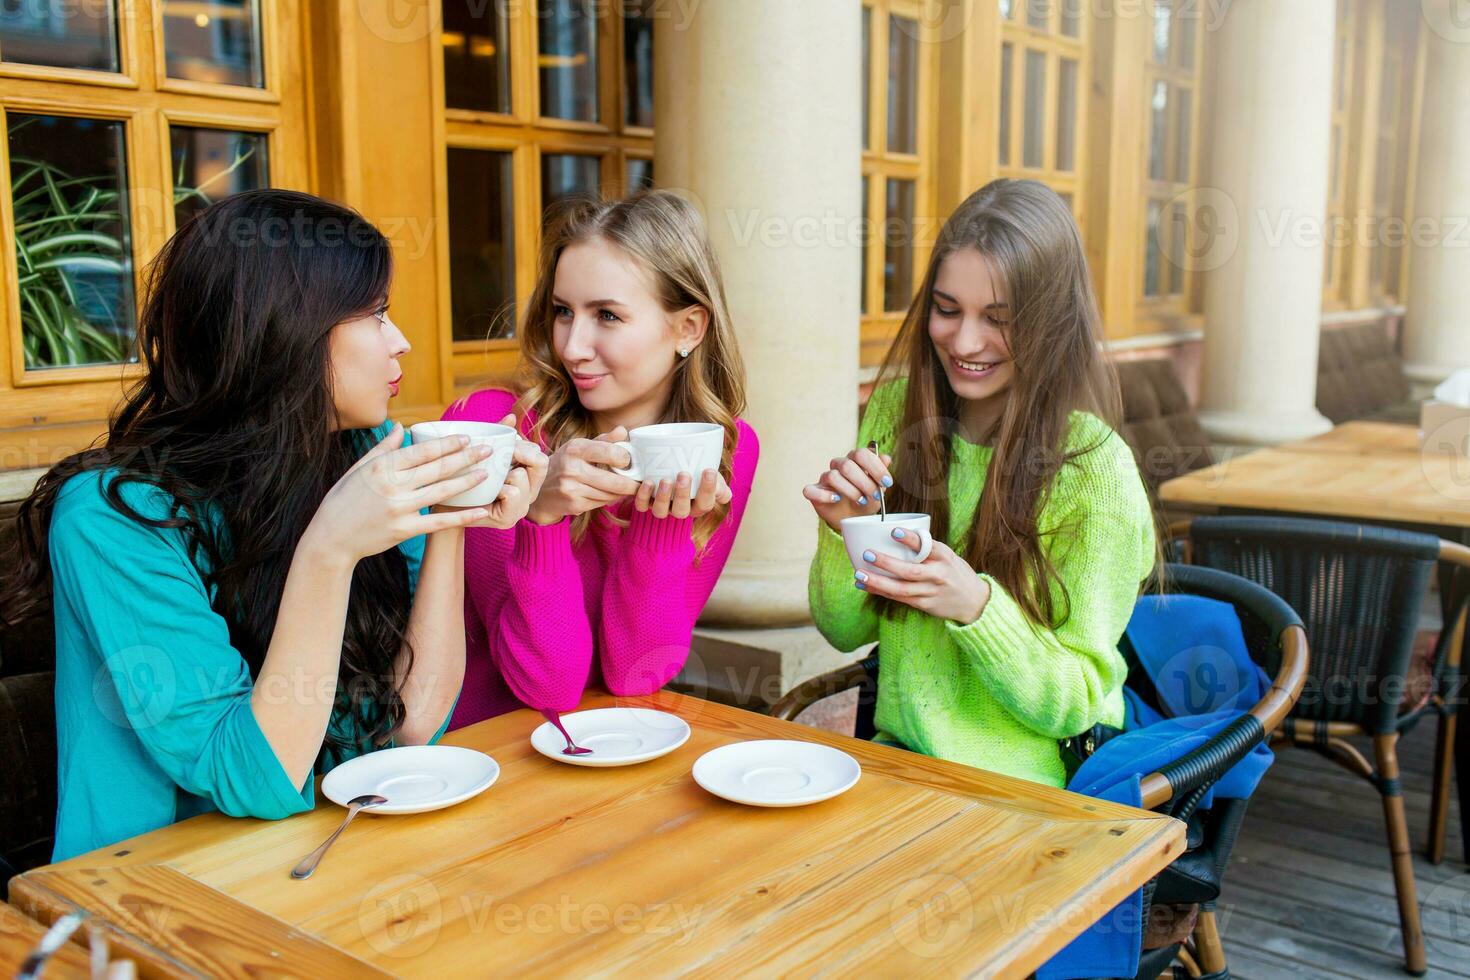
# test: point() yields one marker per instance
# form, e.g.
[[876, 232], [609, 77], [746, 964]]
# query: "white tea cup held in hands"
[[871, 533], [662, 452], [502, 440]]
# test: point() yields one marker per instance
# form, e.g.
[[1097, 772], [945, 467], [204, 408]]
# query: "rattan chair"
[[1276, 641], [1359, 589]]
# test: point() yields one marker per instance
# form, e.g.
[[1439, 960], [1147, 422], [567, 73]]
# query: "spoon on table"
[[572, 747], [308, 864]]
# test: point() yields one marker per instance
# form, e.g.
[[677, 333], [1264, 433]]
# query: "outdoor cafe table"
[[923, 866], [1365, 471]]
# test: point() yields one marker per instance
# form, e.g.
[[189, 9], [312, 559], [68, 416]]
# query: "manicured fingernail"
[[862, 576], [898, 532], [887, 481], [837, 498], [869, 557], [860, 586], [863, 501]]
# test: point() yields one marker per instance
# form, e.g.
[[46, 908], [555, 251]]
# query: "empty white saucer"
[[414, 778], [616, 736], [776, 772]]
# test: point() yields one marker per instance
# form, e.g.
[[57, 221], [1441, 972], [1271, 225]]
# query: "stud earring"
[[683, 351]]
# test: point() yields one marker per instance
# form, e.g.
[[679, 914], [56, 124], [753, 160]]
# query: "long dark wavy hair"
[[234, 420], [1055, 336]]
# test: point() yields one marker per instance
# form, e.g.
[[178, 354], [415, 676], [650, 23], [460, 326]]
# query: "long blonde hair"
[[666, 237]]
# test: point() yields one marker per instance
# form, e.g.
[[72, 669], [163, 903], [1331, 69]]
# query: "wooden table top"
[[19, 935], [924, 865], [1360, 470]]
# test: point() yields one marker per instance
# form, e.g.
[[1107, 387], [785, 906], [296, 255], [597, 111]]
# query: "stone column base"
[[753, 668]]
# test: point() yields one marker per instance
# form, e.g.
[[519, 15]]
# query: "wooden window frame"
[[1054, 45], [878, 327], [48, 412], [1167, 311], [527, 136]]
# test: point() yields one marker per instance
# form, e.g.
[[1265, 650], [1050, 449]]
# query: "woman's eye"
[[607, 316], [948, 314], [561, 312]]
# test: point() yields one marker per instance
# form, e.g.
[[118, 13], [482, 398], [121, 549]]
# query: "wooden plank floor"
[[1309, 892]]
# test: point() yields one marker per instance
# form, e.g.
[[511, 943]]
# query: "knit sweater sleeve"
[[841, 611], [654, 592], [539, 636], [1100, 537]]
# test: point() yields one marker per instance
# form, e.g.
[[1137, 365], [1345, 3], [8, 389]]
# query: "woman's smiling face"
[[968, 322]]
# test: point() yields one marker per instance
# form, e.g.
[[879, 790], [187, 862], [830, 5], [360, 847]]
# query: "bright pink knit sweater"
[[538, 605]]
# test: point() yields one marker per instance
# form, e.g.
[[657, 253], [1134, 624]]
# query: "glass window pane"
[[213, 41], [1383, 175], [1378, 258], [867, 234], [640, 174], [898, 246], [1038, 13], [903, 85], [1163, 20], [1035, 95], [1072, 17], [211, 164], [1184, 122], [1184, 39], [1175, 249], [567, 175], [1070, 203], [477, 56], [58, 34], [638, 62], [1007, 7], [481, 244], [1067, 115], [1151, 251], [1006, 58], [68, 182], [867, 78], [1158, 131], [568, 59]]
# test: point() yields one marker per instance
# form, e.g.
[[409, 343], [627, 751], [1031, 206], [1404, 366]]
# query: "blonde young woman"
[[991, 416], [602, 581]]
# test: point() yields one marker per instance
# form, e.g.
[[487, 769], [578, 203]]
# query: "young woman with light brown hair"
[[994, 415], [602, 581]]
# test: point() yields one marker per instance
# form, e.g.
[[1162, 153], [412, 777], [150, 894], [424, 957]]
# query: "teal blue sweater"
[[153, 709]]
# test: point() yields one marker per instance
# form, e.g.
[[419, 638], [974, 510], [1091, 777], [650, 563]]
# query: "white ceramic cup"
[[501, 438], [871, 533], [662, 452]]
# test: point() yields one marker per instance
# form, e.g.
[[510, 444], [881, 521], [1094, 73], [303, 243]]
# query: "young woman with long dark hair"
[[244, 593], [995, 415]]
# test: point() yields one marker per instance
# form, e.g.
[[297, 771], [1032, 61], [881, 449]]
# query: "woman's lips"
[[393, 386], [969, 372], [586, 382]]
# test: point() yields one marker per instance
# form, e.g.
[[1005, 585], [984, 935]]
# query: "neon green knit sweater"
[[998, 693]]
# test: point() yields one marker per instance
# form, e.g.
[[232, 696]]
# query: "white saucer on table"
[[776, 772], [413, 778], [616, 736]]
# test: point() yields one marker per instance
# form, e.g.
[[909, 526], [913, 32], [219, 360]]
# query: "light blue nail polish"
[[862, 576], [869, 557], [863, 501], [861, 587], [837, 498], [887, 481], [898, 532]]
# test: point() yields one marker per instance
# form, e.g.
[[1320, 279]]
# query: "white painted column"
[[1268, 156], [758, 122], [1437, 324]]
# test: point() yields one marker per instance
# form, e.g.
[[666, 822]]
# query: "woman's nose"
[[578, 346], [397, 342]]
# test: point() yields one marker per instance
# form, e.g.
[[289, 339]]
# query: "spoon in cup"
[[882, 504]]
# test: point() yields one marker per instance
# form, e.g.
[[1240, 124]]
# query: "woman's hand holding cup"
[[681, 498], [522, 484], [376, 504], [850, 486], [579, 478]]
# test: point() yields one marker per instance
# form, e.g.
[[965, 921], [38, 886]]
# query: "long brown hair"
[[1027, 233], [665, 236]]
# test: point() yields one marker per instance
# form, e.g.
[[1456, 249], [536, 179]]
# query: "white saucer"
[[414, 778], [776, 772], [616, 736]]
